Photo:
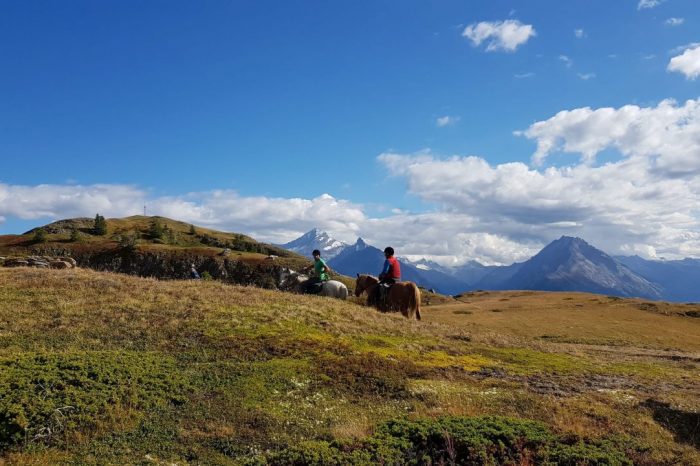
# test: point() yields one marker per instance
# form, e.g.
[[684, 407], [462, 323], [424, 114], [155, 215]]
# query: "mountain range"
[[566, 264]]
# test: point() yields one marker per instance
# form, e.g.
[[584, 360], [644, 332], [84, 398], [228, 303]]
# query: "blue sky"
[[105, 106]]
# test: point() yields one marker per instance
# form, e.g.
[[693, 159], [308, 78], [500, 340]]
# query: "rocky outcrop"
[[41, 262], [166, 265]]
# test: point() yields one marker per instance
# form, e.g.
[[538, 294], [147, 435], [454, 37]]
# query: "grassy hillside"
[[177, 238], [104, 368]]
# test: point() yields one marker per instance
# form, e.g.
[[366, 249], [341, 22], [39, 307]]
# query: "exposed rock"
[[16, 263], [61, 265], [72, 261]]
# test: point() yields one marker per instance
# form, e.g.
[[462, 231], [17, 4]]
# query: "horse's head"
[[284, 275], [364, 282]]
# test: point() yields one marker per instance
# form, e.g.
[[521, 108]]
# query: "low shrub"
[[453, 440], [45, 396]]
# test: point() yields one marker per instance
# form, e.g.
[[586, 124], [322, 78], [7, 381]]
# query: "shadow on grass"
[[684, 425]]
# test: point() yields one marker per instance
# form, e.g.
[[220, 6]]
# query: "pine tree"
[[156, 231], [75, 236], [39, 236], [192, 230], [100, 227]]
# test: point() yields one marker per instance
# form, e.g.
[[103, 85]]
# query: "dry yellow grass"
[[579, 318]]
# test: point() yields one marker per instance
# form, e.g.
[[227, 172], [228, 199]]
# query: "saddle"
[[315, 288]]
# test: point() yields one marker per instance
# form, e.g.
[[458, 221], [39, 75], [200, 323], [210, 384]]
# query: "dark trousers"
[[312, 286], [382, 290]]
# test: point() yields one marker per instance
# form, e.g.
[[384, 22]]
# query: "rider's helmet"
[[389, 251]]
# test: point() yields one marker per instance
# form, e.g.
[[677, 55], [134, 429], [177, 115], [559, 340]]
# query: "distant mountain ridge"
[[363, 258], [679, 279], [566, 264], [571, 264]]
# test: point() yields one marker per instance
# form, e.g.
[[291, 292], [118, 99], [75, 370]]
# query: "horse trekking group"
[[387, 292]]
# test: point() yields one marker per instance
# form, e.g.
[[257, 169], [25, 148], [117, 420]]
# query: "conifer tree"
[[39, 236], [100, 227], [156, 231]]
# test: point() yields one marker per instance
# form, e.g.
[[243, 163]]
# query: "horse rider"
[[321, 274], [391, 272]]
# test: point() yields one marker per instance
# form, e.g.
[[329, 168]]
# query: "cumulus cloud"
[[62, 201], [446, 120], [505, 35], [647, 4], [667, 136], [687, 63], [674, 21], [265, 218], [619, 207], [580, 33], [586, 76], [524, 75]]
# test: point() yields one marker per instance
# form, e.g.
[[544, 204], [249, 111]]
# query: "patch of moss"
[[45, 397], [527, 361]]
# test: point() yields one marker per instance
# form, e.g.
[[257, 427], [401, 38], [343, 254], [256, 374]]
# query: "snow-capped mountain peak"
[[316, 239]]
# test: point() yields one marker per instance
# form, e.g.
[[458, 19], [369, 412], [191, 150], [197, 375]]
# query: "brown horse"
[[403, 296]]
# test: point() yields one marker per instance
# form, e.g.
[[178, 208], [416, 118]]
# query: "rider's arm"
[[385, 270]]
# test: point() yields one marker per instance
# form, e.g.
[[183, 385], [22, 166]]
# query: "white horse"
[[289, 280]]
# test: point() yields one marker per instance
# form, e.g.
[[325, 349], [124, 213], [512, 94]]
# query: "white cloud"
[[62, 201], [687, 63], [646, 4], [505, 35], [586, 76], [580, 33], [567, 61], [446, 120], [619, 207], [667, 135], [524, 75], [674, 21], [683, 48], [265, 218]]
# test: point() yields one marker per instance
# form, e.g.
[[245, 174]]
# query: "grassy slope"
[[243, 248], [98, 367]]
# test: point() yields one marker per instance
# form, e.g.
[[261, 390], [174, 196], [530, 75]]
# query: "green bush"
[[75, 236], [156, 230], [39, 236], [44, 396], [484, 441], [100, 225], [129, 241]]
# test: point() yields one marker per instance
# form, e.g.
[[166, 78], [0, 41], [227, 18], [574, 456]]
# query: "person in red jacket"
[[391, 273]]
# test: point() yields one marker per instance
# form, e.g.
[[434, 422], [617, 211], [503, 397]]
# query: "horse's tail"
[[343, 291], [415, 300]]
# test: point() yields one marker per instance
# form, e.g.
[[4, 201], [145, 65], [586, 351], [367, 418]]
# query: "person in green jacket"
[[321, 274]]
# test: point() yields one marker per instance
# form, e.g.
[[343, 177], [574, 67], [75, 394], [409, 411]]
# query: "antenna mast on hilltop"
[[144, 210]]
